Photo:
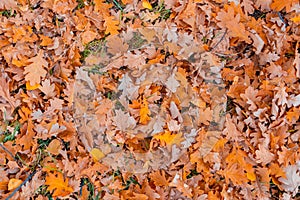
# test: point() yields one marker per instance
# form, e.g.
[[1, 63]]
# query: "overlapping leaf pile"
[[143, 114], [44, 45]]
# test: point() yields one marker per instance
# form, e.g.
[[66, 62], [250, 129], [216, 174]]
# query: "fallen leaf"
[[88, 36], [144, 112], [58, 184], [35, 71], [112, 25], [146, 4], [296, 19], [54, 147], [291, 182], [96, 154], [168, 138], [13, 183]]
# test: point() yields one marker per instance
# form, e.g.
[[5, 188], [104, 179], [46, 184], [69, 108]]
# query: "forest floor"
[[145, 100]]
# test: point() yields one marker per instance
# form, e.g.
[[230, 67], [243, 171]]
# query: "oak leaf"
[[159, 178], [287, 4], [58, 184], [46, 41], [296, 19], [102, 7], [47, 88], [291, 182], [144, 112], [8, 4], [124, 121], [168, 138], [234, 173], [112, 25], [35, 71], [263, 155]]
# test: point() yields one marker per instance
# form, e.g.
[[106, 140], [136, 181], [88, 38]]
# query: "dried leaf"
[[13, 183], [35, 71], [54, 147]]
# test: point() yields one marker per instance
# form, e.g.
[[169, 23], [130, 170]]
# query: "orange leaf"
[[58, 184], [3, 185], [287, 4], [168, 138], [46, 41], [144, 112], [32, 87], [296, 19], [276, 171], [135, 104], [102, 7], [251, 176], [112, 25]]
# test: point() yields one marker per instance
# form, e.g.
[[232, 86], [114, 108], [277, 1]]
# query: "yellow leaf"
[[251, 176], [296, 19], [54, 147], [169, 139], [58, 184], [144, 112], [96, 154], [32, 87], [146, 4], [14, 183]]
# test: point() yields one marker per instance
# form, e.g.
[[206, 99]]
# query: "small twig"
[[19, 187], [7, 151], [10, 153], [282, 19], [118, 5], [219, 40]]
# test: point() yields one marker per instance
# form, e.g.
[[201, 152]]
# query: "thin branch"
[[10, 153], [7, 151], [223, 36], [19, 187]]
